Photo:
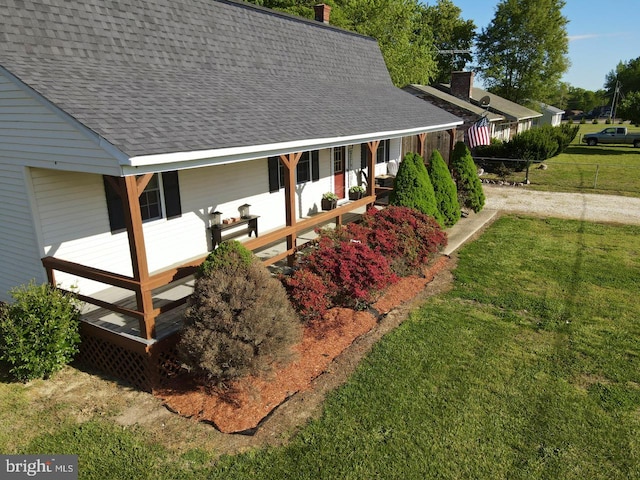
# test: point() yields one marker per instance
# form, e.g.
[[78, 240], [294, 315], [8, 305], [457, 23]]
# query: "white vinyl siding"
[[75, 224], [19, 255], [36, 135]]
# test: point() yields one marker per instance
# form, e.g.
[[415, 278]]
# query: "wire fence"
[[601, 177]]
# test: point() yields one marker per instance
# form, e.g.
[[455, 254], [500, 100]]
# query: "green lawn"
[[528, 369], [605, 169]]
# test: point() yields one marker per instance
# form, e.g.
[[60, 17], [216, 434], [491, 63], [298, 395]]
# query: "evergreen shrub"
[[465, 173], [238, 320], [39, 331], [226, 255], [536, 145], [444, 189], [412, 187]]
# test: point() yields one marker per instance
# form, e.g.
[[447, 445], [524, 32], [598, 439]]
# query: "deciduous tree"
[[450, 33], [522, 53], [629, 108]]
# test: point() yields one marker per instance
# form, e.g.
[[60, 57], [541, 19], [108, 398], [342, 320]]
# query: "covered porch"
[[130, 328]]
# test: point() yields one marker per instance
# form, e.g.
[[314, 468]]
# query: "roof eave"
[[204, 158]]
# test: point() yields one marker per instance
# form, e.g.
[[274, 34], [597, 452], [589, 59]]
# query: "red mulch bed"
[[250, 400]]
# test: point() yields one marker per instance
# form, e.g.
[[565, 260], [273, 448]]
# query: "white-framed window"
[[160, 199], [151, 200]]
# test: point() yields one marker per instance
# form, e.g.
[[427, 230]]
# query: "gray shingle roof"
[[162, 76], [499, 104], [458, 102]]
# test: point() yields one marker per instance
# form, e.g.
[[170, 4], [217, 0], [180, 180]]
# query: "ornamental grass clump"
[[39, 331], [238, 321]]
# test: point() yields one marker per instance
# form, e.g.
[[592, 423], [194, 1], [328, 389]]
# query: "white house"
[[124, 124], [550, 115], [517, 118], [469, 112]]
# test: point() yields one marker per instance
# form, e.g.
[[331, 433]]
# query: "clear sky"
[[601, 34]]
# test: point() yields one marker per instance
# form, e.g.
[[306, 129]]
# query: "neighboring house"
[[550, 116], [125, 124], [464, 109], [517, 118]]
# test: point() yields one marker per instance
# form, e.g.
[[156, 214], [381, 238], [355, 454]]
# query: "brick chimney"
[[461, 85], [322, 12]]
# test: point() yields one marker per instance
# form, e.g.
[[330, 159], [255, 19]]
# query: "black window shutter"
[[364, 148], [274, 175], [171, 189], [114, 207], [315, 165], [387, 144]]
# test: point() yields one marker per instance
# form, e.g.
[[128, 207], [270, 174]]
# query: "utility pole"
[[616, 93]]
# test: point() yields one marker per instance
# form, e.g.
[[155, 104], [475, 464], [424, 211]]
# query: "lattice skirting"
[[142, 366]]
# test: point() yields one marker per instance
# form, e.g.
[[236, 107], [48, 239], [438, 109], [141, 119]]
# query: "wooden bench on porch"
[[251, 223]]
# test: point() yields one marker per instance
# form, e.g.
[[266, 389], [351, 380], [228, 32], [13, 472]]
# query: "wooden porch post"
[[131, 188], [371, 165], [452, 142], [290, 163], [422, 140]]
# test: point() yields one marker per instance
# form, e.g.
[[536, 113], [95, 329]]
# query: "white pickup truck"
[[612, 135]]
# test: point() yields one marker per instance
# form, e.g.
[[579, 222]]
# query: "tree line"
[[520, 55]]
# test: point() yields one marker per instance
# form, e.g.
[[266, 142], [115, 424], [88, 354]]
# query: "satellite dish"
[[485, 101]]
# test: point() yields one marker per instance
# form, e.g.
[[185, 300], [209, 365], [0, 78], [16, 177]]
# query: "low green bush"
[[534, 146], [227, 254], [39, 331]]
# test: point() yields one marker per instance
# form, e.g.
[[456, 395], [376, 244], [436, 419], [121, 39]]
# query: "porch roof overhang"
[[203, 158]]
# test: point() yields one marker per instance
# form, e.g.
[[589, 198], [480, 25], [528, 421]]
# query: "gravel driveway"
[[581, 206]]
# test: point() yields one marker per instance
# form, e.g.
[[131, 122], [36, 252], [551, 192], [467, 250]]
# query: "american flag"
[[478, 133]]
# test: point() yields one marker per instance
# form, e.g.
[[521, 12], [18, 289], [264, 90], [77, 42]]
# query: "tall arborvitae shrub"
[[238, 320], [413, 188], [465, 173], [445, 189]]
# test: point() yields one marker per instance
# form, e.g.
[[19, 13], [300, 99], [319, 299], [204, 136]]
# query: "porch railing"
[[172, 275]]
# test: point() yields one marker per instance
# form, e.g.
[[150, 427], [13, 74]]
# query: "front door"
[[338, 171]]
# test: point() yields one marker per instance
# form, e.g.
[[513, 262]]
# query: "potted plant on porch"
[[329, 201], [356, 192]]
